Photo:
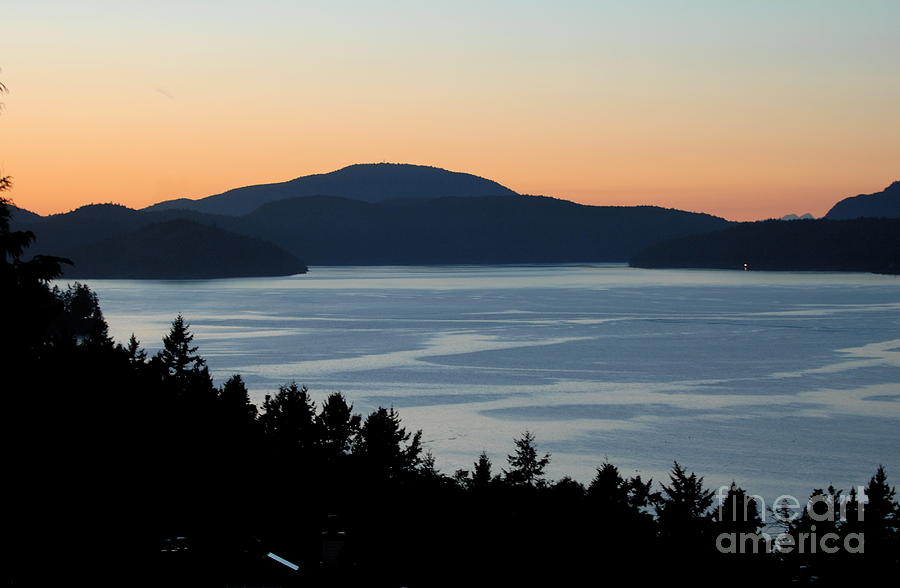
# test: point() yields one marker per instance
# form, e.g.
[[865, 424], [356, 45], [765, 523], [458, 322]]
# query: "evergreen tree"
[[738, 512], [339, 425], [31, 310], [568, 492], [136, 355], [616, 510], [385, 447], [177, 356], [526, 468], [83, 318], [289, 420], [185, 376], [609, 490], [683, 509], [481, 475], [238, 412], [878, 517]]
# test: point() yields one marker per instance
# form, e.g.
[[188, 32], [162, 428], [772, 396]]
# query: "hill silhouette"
[[526, 229], [376, 182], [862, 245], [327, 230], [880, 204], [179, 249]]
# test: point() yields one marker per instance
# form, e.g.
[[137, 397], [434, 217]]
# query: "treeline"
[[128, 469]]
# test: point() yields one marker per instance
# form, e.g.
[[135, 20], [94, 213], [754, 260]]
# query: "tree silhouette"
[[876, 516], [609, 489], [385, 447], [83, 318], [238, 412], [289, 421], [136, 355], [177, 356], [339, 426], [481, 474], [738, 512], [184, 374], [683, 509], [526, 468], [882, 510]]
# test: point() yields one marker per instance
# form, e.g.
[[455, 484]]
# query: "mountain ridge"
[[403, 222], [179, 249], [329, 230], [885, 204], [369, 182]]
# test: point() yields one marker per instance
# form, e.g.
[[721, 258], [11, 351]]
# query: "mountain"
[[328, 230], [377, 182], [880, 204], [862, 245], [22, 215], [179, 249], [58, 234], [487, 229], [793, 217]]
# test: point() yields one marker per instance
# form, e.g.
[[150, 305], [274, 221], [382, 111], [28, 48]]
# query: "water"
[[781, 381]]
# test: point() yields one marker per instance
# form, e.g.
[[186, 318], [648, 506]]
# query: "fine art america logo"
[[806, 528]]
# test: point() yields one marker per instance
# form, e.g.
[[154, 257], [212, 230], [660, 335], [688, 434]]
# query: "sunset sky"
[[742, 109]]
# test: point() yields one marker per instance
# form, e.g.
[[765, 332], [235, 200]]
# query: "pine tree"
[[185, 376], [82, 316], [385, 447], [289, 420], [738, 512], [881, 519], [526, 468], [136, 355], [609, 490], [238, 412], [177, 356], [481, 475], [683, 509], [339, 425]]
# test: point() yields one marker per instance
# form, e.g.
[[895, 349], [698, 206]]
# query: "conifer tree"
[[683, 509], [339, 425], [289, 420], [879, 518], [481, 475], [738, 512], [385, 447], [178, 357], [234, 400], [136, 355], [526, 468]]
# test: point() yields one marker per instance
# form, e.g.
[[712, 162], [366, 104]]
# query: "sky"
[[741, 109]]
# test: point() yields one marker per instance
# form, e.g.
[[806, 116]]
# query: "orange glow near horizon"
[[742, 112]]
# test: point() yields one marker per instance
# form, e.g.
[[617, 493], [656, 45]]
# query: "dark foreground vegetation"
[[123, 469], [859, 245]]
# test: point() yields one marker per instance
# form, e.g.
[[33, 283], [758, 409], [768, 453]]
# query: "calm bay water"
[[780, 381]]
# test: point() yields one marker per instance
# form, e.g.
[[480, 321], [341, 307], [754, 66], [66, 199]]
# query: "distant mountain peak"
[[369, 182]]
